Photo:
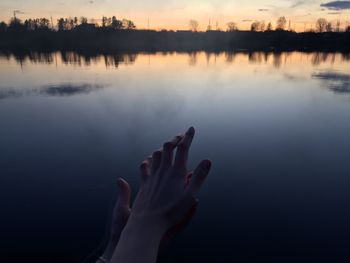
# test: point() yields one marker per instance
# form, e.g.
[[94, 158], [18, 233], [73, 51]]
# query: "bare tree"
[[269, 27], [337, 29], [83, 20], [255, 26], [232, 26], [193, 25], [116, 24], [321, 25], [262, 26], [128, 24], [281, 23], [3, 26], [329, 27]]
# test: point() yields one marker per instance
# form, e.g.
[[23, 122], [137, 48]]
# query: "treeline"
[[322, 25], [113, 35], [16, 25]]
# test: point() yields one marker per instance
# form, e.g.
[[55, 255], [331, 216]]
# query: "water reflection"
[[278, 139], [277, 59], [335, 81], [67, 57], [51, 90]]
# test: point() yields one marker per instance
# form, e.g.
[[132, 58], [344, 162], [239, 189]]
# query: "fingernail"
[[119, 181], [207, 164], [191, 131]]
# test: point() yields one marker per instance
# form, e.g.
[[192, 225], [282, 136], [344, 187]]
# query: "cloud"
[[334, 81], [263, 10], [296, 4], [18, 12], [52, 90], [68, 89], [337, 5]]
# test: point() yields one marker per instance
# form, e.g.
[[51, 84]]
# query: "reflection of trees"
[[192, 61], [67, 57], [230, 57], [255, 57], [320, 57], [71, 58], [277, 60], [115, 60], [208, 56], [36, 57]]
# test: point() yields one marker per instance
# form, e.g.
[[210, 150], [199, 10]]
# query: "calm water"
[[275, 125]]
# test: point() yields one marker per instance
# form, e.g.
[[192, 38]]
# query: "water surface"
[[276, 126]]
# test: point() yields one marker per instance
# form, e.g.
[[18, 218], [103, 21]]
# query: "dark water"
[[275, 125]]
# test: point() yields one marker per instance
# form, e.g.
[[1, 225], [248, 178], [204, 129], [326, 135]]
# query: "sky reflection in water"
[[275, 125]]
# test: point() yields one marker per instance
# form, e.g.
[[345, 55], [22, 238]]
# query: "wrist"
[[108, 252], [145, 226]]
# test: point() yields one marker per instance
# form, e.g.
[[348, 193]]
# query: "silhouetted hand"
[[121, 213], [167, 196]]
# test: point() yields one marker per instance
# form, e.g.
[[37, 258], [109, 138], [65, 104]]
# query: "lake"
[[275, 125]]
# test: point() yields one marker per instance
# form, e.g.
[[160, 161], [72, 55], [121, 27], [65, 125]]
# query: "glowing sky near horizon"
[[175, 14]]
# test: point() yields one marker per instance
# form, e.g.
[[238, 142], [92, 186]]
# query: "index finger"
[[183, 148]]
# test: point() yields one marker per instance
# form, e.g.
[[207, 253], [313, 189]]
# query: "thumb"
[[124, 193]]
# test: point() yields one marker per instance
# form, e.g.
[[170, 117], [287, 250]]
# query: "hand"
[[167, 193], [166, 200], [121, 213]]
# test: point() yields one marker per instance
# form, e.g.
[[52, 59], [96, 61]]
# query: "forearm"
[[139, 242]]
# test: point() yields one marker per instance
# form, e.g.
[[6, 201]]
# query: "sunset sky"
[[175, 14]]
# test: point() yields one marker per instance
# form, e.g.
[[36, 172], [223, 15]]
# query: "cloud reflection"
[[50, 90], [335, 81]]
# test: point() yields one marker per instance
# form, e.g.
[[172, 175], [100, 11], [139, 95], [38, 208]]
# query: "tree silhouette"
[[37, 24], [83, 20], [116, 24], [75, 21], [281, 23], [255, 26], [321, 25], [232, 26], [44, 23], [16, 25], [329, 27], [269, 27], [193, 25], [61, 25], [262, 26], [104, 21], [3, 26], [337, 29], [128, 24]]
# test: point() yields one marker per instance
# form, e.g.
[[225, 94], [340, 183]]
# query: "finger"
[[199, 176], [183, 149], [168, 149], [150, 160], [124, 193], [156, 159], [144, 171], [188, 179]]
